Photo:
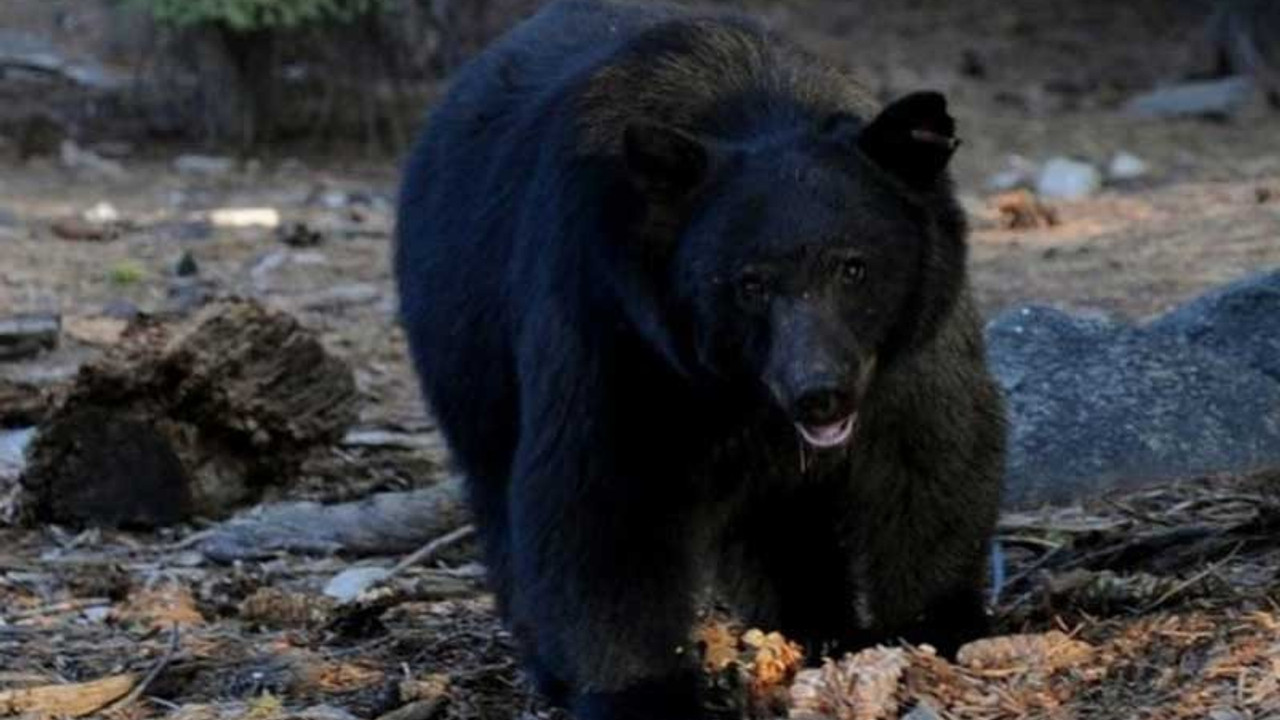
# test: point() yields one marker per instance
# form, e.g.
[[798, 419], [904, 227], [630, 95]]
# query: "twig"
[[58, 608], [1182, 586], [1129, 511], [157, 668], [1026, 573], [420, 710], [1030, 540], [428, 551]]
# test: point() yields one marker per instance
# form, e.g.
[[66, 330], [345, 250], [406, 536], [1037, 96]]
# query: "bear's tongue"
[[828, 436]]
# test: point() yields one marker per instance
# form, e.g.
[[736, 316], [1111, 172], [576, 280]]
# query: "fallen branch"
[[74, 700], [378, 525], [151, 675], [59, 608], [431, 549]]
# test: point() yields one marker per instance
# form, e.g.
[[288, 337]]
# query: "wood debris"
[[1022, 210]]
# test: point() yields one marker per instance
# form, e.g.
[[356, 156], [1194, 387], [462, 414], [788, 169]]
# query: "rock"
[[77, 158], [1125, 167], [8, 219], [104, 213], [13, 448], [1018, 172], [348, 584], [1240, 321], [1066, 179], [1207, 98], [74, 228], [23, 336], [245, 217], [1097, 406], [332, 199], [203, 165]]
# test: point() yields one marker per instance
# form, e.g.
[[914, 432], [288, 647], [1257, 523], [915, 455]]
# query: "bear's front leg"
[[603, 585]]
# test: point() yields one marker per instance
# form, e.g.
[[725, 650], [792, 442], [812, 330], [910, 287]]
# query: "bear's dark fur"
[[692, 312]]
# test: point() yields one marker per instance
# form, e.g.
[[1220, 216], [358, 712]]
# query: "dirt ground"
[[1185, 625]]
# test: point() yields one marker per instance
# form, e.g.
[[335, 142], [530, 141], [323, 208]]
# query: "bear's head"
[[803, 262]]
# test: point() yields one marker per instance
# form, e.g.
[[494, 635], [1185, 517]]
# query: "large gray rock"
[[1097, 406], [1240, 321]]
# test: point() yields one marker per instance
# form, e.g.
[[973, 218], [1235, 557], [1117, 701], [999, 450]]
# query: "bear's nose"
[[823, 406]]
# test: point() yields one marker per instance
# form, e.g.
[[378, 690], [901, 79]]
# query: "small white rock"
[[333, 199], [1126, 166], [13, 448], [104, 213], [245, 217], [1018, 172], [97, 613], [1066, 179], [348, 584]]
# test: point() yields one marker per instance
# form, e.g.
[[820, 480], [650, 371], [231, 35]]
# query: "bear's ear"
[[913, 138], [663, 160]]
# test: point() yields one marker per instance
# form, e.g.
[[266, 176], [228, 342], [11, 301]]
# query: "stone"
[[13, 448], [1206, 98], [348, 584], [1018, 172], [103, 213], [1126, 167], [1240, 321], [1066, 179], [1097, 406]]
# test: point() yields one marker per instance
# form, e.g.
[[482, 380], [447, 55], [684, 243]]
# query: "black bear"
[[692, 312]]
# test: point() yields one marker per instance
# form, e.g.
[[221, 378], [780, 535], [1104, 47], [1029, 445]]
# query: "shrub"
[[254, 15]]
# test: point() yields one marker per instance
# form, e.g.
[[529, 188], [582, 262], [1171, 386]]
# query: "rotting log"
[[186, 420]]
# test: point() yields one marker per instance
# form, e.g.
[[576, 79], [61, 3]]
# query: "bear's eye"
[[852, 270], [752, 288]]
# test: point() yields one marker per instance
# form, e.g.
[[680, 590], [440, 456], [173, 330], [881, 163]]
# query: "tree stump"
[[192, 420]]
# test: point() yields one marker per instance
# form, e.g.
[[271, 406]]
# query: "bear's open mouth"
[[828, 436]]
